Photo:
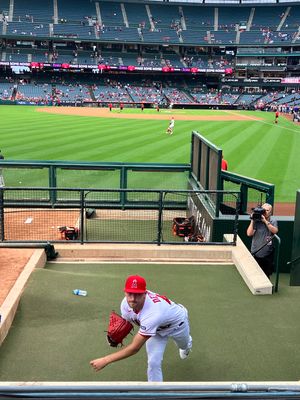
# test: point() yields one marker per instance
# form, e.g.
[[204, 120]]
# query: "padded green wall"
[[295, 266]]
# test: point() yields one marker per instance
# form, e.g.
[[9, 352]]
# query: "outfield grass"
[[258, 149]]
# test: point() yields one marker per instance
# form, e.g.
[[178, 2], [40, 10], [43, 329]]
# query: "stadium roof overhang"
[[214, 2]]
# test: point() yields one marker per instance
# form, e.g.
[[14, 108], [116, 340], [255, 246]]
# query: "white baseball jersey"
[[172, 123], [159, 315]]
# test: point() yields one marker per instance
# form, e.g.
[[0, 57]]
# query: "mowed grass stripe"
[[246, 149], [29, 134], [287, 159]]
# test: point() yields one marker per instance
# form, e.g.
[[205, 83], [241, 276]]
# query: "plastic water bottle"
[[80, 292]]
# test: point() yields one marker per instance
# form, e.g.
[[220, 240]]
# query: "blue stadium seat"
[[34, 29], [161, 36], [111, 94], [163, 16], [137, 15], [73, 31], [6, 91], [194, 37], [33, 11], [293, 18], [72, 93], [111, 13], [267, 16], [230, 16], [144, 94], [119, 34], [83, 11], [34, 92], [200, 17], [176, 96], [220, 37]]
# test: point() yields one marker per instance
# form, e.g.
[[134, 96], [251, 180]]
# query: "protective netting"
[[90, 215]]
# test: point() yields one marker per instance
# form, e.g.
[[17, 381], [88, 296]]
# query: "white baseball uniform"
[[159, 318]]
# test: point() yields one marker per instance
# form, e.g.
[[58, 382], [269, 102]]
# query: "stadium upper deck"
[[151, 22], [240, 40]]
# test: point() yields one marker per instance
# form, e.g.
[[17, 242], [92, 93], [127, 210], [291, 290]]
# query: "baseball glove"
[[118, 329]]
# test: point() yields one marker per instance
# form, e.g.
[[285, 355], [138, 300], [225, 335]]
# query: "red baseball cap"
[[135, 284]]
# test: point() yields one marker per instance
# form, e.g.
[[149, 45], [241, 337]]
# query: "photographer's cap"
[[135, 284]]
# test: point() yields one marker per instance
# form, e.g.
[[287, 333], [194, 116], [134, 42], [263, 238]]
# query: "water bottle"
[[80, 292]]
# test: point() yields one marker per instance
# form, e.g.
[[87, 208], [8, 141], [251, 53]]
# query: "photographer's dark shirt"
[[262, 236]]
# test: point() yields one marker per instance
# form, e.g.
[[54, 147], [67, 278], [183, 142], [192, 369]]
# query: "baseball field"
[[237, 336], [253, 145]]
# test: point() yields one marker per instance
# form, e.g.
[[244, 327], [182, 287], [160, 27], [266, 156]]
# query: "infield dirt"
[[163, 115]]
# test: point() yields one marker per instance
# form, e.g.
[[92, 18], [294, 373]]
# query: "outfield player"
[[171, 126], [159, 319]]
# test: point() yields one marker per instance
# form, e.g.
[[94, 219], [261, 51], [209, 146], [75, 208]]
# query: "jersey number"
[[156, 298]]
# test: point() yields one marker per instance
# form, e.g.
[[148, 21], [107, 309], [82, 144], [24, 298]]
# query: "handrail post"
[[277, 250], [123, 185], [82, 215], [52, 184], [159, 222]]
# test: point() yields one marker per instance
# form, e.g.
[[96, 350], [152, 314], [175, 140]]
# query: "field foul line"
[[266, 123]]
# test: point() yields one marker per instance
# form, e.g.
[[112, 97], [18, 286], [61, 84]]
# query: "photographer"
[[262, 228]]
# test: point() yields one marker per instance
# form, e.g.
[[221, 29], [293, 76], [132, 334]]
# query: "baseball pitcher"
[[158, 319]]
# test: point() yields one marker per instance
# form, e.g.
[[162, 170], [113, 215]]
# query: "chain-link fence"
[[124, 216]]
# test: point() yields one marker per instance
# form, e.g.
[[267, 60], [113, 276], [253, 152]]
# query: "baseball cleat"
[[183, 353]]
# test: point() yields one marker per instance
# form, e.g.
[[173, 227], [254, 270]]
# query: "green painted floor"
[[237, 336]]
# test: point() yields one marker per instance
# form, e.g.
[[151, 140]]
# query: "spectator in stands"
[[224, 164], [262, 228]]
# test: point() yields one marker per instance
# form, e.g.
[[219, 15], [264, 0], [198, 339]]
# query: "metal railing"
[[277, 252], [117, 216]]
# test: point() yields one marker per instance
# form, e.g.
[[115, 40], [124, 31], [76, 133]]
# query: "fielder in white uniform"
[[171, 126], [158, 319]]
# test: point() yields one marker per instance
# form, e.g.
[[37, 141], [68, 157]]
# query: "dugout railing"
[[252, 191], [115, 216], [96, 175], [206, 173], [203, 173]]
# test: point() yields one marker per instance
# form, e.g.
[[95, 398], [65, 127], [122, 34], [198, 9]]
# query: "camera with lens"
[[257, 213]]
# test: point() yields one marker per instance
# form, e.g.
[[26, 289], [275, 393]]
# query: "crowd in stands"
[[89, 22], [207, 63], [147, 91]]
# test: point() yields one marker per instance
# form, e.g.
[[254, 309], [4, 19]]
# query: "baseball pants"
[[156, 346]]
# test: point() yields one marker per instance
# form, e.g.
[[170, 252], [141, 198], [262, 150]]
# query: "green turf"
[[258, 149], [237, 336], [129, 230]]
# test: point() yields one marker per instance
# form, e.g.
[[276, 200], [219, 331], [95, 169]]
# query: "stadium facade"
[[235, 54]]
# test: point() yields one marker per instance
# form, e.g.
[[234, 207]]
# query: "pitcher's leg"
[[183, 338], [155, 347]]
